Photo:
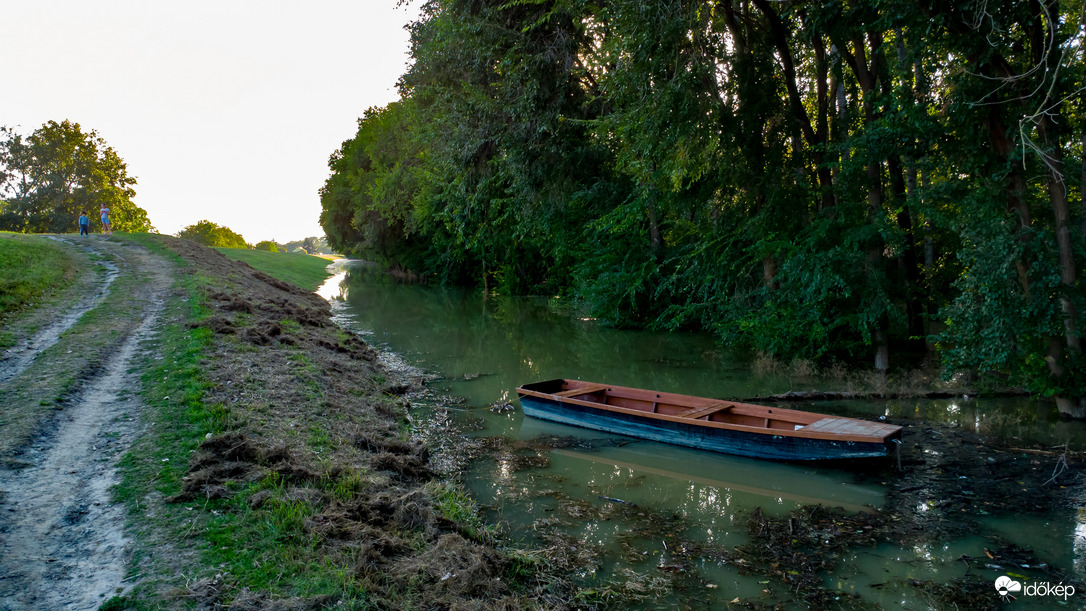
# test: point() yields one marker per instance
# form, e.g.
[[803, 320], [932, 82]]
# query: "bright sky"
[[225, 110]]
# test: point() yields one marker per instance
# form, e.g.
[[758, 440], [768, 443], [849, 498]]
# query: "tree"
[[311, 244], [368, 200], [50, 176], [210, 234], [267, 245], [827, 180]]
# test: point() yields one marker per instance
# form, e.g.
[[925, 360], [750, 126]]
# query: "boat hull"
[[727, 441]]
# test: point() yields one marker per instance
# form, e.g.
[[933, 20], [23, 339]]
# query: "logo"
[[1006, 586]]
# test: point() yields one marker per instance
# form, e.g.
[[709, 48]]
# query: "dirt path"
[[62, 542], [15, 360]]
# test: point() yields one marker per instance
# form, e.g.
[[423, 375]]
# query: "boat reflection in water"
[[779, 495], [673, 478]]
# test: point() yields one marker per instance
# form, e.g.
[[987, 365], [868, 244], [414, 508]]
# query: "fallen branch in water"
[[1041, 452], [614, 500], [819, 395]]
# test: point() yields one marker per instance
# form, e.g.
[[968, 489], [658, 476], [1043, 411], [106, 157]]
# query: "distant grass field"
[[306, 271], [31, 269]]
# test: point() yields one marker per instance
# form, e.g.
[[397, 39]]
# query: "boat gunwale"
[[759, 430]]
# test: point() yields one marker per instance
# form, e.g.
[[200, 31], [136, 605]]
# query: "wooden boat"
[[708, 424]]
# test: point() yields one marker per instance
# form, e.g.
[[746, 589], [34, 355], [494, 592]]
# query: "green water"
[[622, 501]]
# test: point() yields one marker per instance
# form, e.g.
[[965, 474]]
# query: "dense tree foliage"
[[851, 179], [266, 245], [49, 177], [211, 234]]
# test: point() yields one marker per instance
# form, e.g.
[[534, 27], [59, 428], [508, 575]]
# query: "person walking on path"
[[107, 227], [84, 224]]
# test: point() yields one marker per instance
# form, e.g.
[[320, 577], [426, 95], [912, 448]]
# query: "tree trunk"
[[1016, 187], [779, 34], [909, 262], [1057, 194], [654, 231], [750, 89], [866, 76], [882, 351], [842, 117], [903, 173], [825, 174], [1082, 185], [769, 272], [929, 270], [1052, 155], [919, 186], [486, 279]]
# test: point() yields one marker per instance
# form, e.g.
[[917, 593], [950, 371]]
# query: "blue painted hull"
[[727, 441]]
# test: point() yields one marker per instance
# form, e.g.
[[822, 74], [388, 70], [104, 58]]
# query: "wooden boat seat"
[[702, 412], [584, 390], [851, 427]]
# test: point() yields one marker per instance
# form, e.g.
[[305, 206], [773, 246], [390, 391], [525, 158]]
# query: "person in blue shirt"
[[84, 224], [106, 226]]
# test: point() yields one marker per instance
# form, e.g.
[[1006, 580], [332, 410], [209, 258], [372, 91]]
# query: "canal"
[[633, 510]]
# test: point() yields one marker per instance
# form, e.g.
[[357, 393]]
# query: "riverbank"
[[302, 270], [266, 459], [268, 462], [291, 478]]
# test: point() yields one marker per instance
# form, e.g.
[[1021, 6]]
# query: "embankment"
[[277, 469]]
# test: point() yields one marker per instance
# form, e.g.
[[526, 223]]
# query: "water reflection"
[[707, 499], [334, 288], [623, 503], [1079, 545], [515, 340]]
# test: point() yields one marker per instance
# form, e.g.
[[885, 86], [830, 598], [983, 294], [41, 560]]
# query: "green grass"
[[174, 388], [266, 548], [31, 269], [77, 354], [306, 271], [264, 537], [454, 503]]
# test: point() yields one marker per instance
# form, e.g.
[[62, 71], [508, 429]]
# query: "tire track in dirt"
[[62, 541], [18, 358]]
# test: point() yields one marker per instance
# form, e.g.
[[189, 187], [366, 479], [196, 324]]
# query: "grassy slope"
[[328, 503], [306, 271], [274, 533], [33, 270]]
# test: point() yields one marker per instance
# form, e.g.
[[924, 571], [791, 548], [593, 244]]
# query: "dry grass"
[[765, 364], [802, 368], [838, 377]]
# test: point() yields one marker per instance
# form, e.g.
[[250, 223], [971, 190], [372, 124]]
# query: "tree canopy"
[[49, 177], [211, 234], [855, 179]]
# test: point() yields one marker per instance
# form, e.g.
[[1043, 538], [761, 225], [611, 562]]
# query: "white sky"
[[223, 110]]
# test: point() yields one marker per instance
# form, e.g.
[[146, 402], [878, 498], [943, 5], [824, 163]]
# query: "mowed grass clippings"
[[279, 470], [306, 271]]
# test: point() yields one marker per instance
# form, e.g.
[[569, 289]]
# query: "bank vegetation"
[[871, 183]]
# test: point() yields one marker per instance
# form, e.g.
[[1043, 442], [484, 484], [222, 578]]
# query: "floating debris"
[[502, 407]]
